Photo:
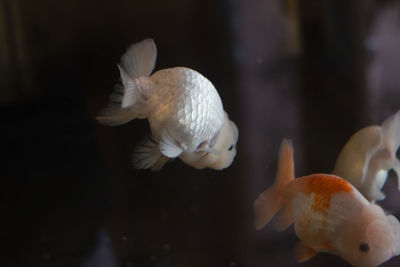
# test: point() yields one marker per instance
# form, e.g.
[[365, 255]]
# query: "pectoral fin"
[[168, 146], [147, 155], [303, 252], [284, 218]]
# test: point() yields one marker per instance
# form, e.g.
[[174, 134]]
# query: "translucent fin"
[[132, 93], [140, 59], [135, 94], [113, 114], [284, 218], [271, 200], [148, 155], [169, 146], [304, 253], [137, 64], [286, 165]]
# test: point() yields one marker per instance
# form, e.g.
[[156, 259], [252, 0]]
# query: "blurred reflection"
[[383, 78], [103, 255]]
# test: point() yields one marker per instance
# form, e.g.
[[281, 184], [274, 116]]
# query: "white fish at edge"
[[368, 155], [184, 110]]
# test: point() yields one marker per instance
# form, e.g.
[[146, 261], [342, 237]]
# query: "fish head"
[[220, 155], [369, 239], [225, 146]]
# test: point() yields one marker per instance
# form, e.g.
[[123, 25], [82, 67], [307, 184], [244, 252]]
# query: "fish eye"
[[364, 247], [230, 148]]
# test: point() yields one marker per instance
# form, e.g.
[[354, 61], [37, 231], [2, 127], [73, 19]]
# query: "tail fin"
[[140, 59], [113, 114], [126, 103], [271, 200]]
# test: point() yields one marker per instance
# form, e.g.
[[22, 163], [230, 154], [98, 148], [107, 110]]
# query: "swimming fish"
[[183, 108], [329, 215], [368, 155]]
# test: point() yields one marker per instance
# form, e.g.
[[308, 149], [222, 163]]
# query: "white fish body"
[[183, 108], [368, 155]]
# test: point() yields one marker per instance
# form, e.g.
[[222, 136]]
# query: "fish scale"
[[196, 108]]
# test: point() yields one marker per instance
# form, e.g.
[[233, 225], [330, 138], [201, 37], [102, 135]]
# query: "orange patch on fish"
[[323, 187]]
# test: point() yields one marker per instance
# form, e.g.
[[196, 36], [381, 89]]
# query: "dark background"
[[314, 71]]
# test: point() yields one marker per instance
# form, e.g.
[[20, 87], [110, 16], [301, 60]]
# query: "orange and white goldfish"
[[183, 108], [329, 215]]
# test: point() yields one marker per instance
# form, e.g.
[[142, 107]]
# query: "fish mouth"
[[205, 155]]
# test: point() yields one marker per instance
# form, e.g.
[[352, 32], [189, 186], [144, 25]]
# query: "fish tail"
[[114, 114], [272, 200], [140, 59], [127, 102]]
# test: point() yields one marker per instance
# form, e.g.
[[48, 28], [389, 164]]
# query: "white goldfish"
[[368, 155], [329, 215], [183, 108]]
